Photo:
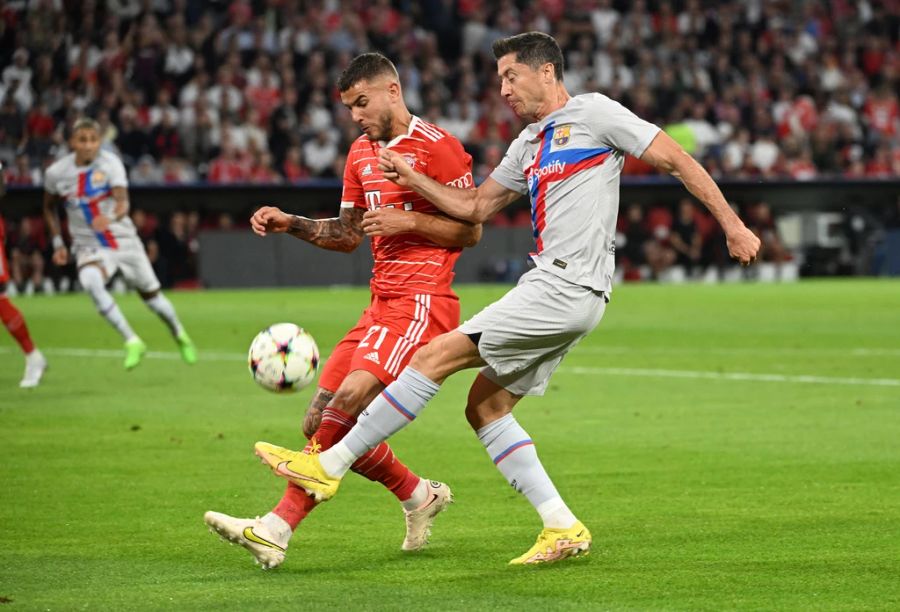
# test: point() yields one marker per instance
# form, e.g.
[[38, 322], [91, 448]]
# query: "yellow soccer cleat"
[[556, 544], [303, 469]]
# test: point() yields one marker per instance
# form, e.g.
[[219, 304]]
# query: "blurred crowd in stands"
[[244, 92]]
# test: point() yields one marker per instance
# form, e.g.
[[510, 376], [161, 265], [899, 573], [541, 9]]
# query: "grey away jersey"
[[87, 192], [569, 165]]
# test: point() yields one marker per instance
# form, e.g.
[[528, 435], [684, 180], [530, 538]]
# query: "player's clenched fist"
[[387, 222], [270, 219], [100, 223], [61, 256], [394, 167], [743, 245]]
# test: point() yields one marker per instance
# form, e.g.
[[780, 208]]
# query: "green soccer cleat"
[[187, 348], [134, 352]]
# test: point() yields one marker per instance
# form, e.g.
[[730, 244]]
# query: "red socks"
[[15, 323], [378, 465]]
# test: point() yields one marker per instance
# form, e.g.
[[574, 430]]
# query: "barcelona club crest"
[[561, 135], [98, 179]]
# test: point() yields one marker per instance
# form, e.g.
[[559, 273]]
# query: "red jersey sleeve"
[[352, 195], [450, 164]]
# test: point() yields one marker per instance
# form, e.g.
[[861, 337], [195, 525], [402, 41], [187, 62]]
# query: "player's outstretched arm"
[[472, 205], [343, 233], [51, 219], [666, 154], [440, 229]]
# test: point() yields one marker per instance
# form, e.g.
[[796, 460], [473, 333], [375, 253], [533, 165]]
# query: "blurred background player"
[[35, 362], [415, 248], [94, 189], [574, 145]]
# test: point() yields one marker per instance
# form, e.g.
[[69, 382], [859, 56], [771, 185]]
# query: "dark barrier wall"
[[243, 259], [324, 195]]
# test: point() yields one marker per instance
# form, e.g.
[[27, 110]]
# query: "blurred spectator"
[[643, 243], [685, 238], [761, 222], [320, 153], [22, 174], [293, 168], [26, 247], [228, 167], [164, 139], [174, 249], [224, 96], [262, 171], [133, 142], [145, 172], [759, 89]]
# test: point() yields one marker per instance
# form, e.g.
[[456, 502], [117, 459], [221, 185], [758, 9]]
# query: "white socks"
[[91, 278], [418, 497], [161, 305], [278, 527], [391, 411], [512, 451]]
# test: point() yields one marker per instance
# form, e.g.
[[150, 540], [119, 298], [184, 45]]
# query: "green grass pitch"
[[730, 447]]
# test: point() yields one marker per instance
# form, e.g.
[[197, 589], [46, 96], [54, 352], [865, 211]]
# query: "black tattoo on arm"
[[343, 233], [313, 417]]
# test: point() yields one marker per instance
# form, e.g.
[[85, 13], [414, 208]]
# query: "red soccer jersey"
[[407, 264]]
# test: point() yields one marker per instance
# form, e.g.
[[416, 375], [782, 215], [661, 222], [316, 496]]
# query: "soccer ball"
[[283, 358]]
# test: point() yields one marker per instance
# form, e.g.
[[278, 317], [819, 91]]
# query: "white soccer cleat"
[[251, 534], [35, 364], [418, 521]]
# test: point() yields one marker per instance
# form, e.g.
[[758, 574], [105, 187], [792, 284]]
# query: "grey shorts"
[[130, 259], [526, 333]]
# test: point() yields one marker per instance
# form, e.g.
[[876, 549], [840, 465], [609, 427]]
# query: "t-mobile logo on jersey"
[[533, 174], [373, 199]]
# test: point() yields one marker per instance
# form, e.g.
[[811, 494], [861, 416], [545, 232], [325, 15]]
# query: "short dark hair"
[[366, 67], [533, 49]]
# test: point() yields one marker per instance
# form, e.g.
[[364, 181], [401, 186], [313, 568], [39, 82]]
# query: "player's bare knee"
[[425, 357], [445, 355], [356, 392]]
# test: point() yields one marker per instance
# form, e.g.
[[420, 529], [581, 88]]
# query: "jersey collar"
[[412, 125]]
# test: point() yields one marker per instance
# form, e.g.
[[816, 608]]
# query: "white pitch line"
[[119, 353], [775, 350], [741, 376], [644, 372]]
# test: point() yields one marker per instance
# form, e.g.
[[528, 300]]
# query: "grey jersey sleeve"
[[617, 127], [50, 179], [509, 173], [118, 177]]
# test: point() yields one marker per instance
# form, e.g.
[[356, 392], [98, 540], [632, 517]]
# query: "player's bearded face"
[[371, 105], [86, 144], [380, 129]]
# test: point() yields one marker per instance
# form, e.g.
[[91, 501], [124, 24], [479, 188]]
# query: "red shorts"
[[387, 334]]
